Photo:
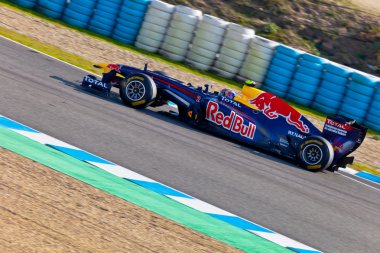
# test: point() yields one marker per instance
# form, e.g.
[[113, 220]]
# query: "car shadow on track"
[[163, 113], [114, 97]]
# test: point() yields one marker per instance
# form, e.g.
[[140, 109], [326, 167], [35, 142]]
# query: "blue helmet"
[[227, 93]]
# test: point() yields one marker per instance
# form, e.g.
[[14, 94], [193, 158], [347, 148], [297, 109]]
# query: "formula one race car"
[[257, 118]]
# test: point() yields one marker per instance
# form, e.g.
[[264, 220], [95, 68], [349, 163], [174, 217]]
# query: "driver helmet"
[[227, 93], [250, 83]]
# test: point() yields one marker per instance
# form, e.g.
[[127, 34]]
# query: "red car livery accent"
[[232, 122], [272, 107], [114, 67]]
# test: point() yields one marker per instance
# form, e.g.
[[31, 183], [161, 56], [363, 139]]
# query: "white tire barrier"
[[180, 33], [259, 56], [207, 41], [188, 11], [172, 56], [204, 52], [241, 29], [197, 65], [162, 6], [155, 26], [233, 51], [174, 49], [221, 65], [199, 58]]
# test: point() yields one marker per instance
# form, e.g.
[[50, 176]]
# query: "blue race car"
[[257, 117]]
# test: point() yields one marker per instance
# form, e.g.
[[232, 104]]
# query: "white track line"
[[355, 180]]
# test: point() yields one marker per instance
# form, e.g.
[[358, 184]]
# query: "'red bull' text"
[[232, 122]]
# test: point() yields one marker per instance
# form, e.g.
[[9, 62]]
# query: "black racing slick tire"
[[315, 153], [138, 91]]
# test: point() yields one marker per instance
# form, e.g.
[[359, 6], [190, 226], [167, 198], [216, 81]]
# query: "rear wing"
[[345, 135]]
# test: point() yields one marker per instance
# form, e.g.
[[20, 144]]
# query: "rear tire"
[[138, 91], [315, 153]]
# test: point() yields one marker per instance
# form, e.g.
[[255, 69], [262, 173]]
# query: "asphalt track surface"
[[323, 210]]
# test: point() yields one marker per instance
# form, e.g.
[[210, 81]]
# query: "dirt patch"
[[370, 5], [94, 50], [42, 210]]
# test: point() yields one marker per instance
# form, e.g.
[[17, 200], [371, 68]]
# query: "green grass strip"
[[136, 194]]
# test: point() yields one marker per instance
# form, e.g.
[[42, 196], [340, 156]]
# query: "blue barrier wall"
[[26, 3], [331, 92], [281, 70]]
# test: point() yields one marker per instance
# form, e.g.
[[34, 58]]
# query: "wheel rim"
[[312, 154], [135, 90]]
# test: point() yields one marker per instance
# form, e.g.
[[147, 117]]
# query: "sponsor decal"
[[297, 135], [135, 78], [336, 127], [95, 82], [273, 107], [138, 102], [232, 122], [314, 167], [231, 101], [314, 141], [284, 142], [114, 67]]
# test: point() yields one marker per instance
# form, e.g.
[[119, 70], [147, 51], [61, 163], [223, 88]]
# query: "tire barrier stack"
[[332, 89], [155, 25], [281, 70], [26, 3], [306, 80], [207, 42], [373, 116], [258, 58], [233, 51], [129, 21], [51, 8], [358, 96], [104, 16], [180, 33], [79, 12]]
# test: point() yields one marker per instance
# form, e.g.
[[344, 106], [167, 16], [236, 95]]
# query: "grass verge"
[[87, 65]]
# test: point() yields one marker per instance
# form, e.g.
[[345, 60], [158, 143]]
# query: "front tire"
[[138, 91], [315, 153]]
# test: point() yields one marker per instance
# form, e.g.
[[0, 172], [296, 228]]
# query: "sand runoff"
[[42, 210]]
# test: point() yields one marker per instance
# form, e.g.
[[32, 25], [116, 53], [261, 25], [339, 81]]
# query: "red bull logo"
[[232, 122], [114, 67], [273, 107]]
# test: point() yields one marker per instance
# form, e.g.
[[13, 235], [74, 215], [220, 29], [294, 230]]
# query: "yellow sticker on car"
[[314, 167], [314, 141], [138, 102], [136, 78]]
